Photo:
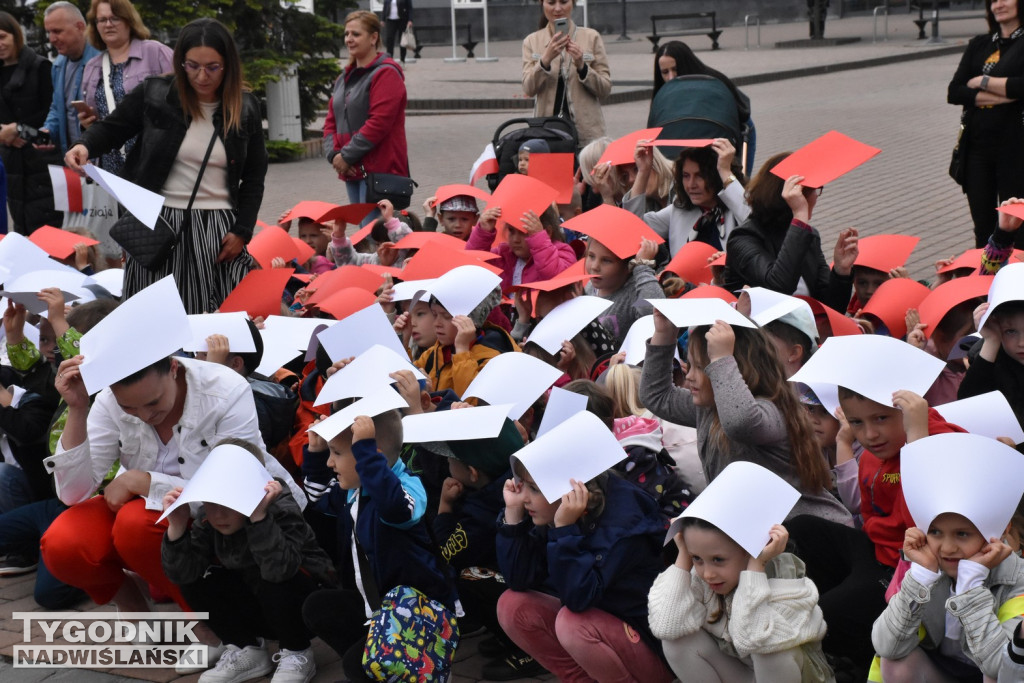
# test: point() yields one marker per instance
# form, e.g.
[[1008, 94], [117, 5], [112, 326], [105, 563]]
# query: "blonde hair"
[[590, 155], [623, 384], [371, 24]]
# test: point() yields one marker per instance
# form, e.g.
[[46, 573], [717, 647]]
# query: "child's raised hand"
[[1007, 222], [721, 340], [846, 251], [460, 405], [489, 218], [524, 305], [429, 207], [387, 254], [515, 501], [915, 549], [912, 317], [218, 347], [177, 521], [778, 537], [574, 504], [339, 364], [465, 333], [943, 277], [386, 294], [664, 331], [988, 331], [683, 560], [451, 493], [566, 356], [55, 307], [617, 358], [409, 389], [898, 272], [648, 249], [915, 413], [845, 434], [278, 262], [336, 231], [532, 223], [916, 335], [273, 490], [994, 552], [363, 429], [81, 255], [317, 443], [387, 209], [14, 323]]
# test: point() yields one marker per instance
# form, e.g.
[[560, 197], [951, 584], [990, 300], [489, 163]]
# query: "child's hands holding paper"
[[574, 504], [683, 560], [915, 413], [317, 443], [721, 340], [363, 429], [778, 537], [273, 490], [177, 521]]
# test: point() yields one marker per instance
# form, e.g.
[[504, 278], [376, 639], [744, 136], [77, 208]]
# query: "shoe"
[[16, 563], [491, 648], [512, 667], [294, 666], [471, 629], [240, 664], [213, 653]]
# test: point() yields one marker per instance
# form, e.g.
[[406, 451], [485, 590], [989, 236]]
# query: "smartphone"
[[562, 25], [81, 107]]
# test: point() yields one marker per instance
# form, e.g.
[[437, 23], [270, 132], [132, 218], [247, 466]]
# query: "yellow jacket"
[[455, 371]]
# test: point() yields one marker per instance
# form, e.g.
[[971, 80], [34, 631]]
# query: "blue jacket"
[[390, 526], [56, 120], [608, 563]]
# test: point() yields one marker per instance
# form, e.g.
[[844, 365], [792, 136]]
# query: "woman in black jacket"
[[25, 95], [176, 117], [989, 84], [397, 17]]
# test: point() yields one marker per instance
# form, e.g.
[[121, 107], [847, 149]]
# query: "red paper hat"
[[345, 302], [259, 293], [691, 262], [263, 226], [825, 159], [555, 171], [446, 192], [395, 273], [838, 324], [417, 240], [362, 233], [710, 292], [1015, 210], [434, 260], [972, 259], [272, 242], [345, 277], [720, 261], [578, 268], [60, 244], [623, 150], [554, 283], [516, 194], [943, 298], [891, 300], [322, 212], [303, 251], [617, 229], [885, 252]]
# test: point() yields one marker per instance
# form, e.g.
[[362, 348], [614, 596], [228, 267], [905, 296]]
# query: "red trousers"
[[89, 546]]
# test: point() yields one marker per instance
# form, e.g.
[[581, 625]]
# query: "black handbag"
[[152, 248], [397, 189], [958, 160]]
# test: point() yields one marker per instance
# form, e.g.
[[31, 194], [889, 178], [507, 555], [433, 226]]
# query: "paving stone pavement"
[[898, 106]]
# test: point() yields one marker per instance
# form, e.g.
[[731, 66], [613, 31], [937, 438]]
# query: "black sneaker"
[[15, 563], [513, 667]]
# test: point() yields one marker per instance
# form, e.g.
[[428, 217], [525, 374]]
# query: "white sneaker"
[[294, 666], [240, 664], [213, 653]]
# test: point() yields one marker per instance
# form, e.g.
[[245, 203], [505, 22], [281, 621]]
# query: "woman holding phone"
[[565, 70]]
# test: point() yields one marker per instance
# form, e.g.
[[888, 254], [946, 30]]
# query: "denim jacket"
[[56, 120]]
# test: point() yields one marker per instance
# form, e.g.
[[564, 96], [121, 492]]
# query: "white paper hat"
[[147, 327], [871, 365], [987, 414], [767, 305], [1007, 285], [461, 289], [566, 320], [635, 343], [230, 476], [580, 448], [370, 370], [481, 422], [371, 405], [234, 326], [358, 332], [516, 378], [694, 312], [971, 475], [744, 501]]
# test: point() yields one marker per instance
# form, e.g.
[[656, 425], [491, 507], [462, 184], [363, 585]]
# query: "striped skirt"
[[202, 282]]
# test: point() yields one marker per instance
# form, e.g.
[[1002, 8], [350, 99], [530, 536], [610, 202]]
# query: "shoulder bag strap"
[[186, 224]]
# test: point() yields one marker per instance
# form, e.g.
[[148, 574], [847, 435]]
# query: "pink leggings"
[[578, 646]]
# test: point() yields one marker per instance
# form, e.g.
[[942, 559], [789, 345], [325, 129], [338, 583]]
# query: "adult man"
[[65, 29]]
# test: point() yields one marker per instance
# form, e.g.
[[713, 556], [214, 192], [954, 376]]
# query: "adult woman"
[[177, 118], [778, 249], [567, 71], [25, 95], [365, 127], [989, 84], [709, 199], [397, 18]]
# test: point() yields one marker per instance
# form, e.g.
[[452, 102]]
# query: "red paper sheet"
[[259, 293], [711, 292], [343, 278], [691, 262], [304, 251], [943, 298], [566, 278], [822, 161], [830, 322], [891, 300], [516, 194], [60, 244], [434, 260], [623, 150], [885, 252], [617, 229], [446, 192], [272, 242], [678, 143], [556, 171], [345, 302]]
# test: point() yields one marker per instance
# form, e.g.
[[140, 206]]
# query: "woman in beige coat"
[[567, 71]]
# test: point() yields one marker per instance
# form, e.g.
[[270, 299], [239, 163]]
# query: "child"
[[628, 283], [999, 365], [86, 258], [540, 253], [528, 147], [416, 327], [317, 237], [384, 538], [251, 574], [456, 216], [724, 615], [578, 571], [840, 450], [345, 254]]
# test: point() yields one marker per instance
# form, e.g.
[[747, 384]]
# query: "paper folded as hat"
[[885, 252], [322, 212], [272, 242], [623, 150], [370, 370], [838, 324], [462, 424], [556, 171], [941, 300], [380, 401], [1007, 285], [434, 259], [234, 326], [344, 302], [516, 194], [446, 192], [635, 343], [230, 476], [695, 312], [891, 300], [691, 262], [987, 414], [566, 320], [710, 292], [60, 244], [513, 378], [617, 229], [358, 332], [259, 293], [343, 278], [825, 159]]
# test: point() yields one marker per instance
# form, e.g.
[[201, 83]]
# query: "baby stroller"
[[700, 107], [559, 133]]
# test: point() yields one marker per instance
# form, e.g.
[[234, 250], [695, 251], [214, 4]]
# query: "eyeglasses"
[[814, 190], [113, 21], [195, 67]]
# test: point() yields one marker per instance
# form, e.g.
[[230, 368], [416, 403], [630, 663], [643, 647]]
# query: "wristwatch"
[[984, 82], [728, 181]]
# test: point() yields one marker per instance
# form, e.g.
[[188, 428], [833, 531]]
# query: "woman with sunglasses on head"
[[777, 248], [200, 119]]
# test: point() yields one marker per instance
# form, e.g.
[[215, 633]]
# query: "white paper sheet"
[[147, 327], [971, 475], [32, 303], [767, 500], [139, 201], [358, 332], [112, 280], [368, 372], [380, 401], [406, 291], [19, 255], [767, 305], [874, 366], [635, 343], [565, 321], [461, 289], [694, 312], [482, 422], [231, 325], [515, 378], [986, 415], [279, 347], [1007, 285], [24, 287], [561, 406], [580, 448], [230, 476]]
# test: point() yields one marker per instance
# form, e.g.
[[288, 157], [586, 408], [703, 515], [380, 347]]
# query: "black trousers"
[[240, 616], [338, 617], [994, 173], [479, 596], [851, 583], [393, 29]]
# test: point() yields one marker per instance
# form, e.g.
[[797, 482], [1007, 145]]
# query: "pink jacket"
[[547, 258]]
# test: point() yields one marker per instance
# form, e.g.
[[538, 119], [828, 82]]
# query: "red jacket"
[[376, 115], [882, 507]]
